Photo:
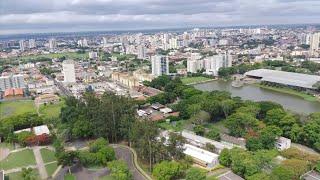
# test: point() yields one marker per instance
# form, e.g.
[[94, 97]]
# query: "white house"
[[201, 156], [283, 143], [39, 130]]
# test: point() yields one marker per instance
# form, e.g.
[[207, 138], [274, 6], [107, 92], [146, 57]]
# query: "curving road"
[[126, 154]]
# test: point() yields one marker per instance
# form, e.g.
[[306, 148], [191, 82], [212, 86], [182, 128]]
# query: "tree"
[[317, 168], [27, 174], [68, 158], [225, 157], [254, 144], [274, 116], [213, 134], [287, 123], [227, 106], [195, 174], [259, 176], [144, 138], [239, 124], [210, 147], [199, 130], [282, 173], [297, 166], [119, 170], [268, 136], [266, 106], [175, 146], [168, 170]]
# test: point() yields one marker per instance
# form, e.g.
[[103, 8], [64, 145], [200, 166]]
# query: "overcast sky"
[[25, 16]]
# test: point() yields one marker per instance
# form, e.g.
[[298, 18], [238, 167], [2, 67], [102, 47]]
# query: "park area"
[[14, 108], [194, 80], [14, 162]]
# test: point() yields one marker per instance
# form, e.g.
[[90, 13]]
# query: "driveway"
[[126, 155]]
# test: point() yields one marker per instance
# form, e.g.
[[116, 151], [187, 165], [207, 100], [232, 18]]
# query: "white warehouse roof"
[[200, 154], [199, 140], [39, 130], [287, 78]]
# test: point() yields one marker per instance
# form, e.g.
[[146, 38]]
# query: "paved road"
[[304, 148], [126, 155]]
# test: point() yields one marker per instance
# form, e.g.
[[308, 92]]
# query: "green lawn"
[[7, 145], [106, 178], [175, 126], [51, 168], [18, 159], [18, 175], [303, 95], [10, 108], [47, 155], [69, 177], [192, 80], [51, 110]]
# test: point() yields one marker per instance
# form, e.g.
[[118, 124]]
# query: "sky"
[[36, 16]]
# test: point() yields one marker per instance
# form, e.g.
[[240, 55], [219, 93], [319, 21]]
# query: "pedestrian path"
[[40, 165]]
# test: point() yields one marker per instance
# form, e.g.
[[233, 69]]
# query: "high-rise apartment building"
[[173, 43], [68, 71], [21, 44], [52, 44], [314, 43], [141, 52], [13, 81], [83, 42], [32, 43], [211, 64], [160, 65]]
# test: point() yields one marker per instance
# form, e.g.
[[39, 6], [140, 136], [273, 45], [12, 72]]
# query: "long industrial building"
[[304, 81]]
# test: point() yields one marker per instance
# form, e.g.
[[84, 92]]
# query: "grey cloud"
[[48, 15]]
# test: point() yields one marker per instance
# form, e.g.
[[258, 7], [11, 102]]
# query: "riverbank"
[[303, 95], [196, 80]]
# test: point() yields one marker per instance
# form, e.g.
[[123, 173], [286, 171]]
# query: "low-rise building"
[[125, 79], [40, 130], [283, 143], [201, 156], [46, 98], [202, 141], [290, 79], [13, 93]]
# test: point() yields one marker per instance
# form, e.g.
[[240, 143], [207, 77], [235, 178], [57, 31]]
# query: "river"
[[250, 92]]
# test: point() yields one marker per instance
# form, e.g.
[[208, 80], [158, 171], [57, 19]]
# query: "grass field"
[[7, 145], [47, 155], [18, 159], [175, 126], [12, 108], [51, 110], [18, 175], [303, 95], [51, 168], [69, 177], [106, 178], [193, 80]]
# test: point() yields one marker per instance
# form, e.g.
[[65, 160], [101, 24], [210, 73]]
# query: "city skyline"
[[33, 16]]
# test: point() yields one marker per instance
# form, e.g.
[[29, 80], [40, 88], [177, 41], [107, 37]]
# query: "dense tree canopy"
[[110, 116]]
